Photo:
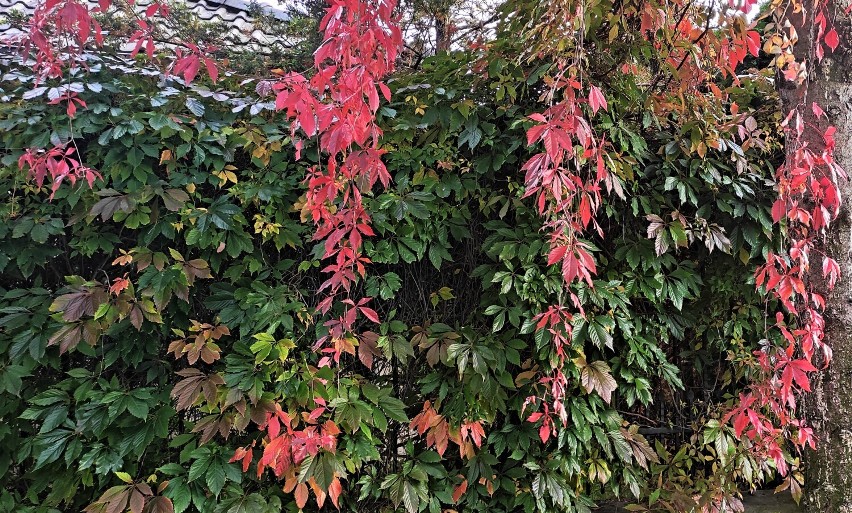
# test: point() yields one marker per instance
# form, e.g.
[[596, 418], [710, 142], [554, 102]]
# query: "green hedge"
[[199, 209]]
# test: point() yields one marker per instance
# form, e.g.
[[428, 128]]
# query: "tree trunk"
[[828, 470], [442, 35]]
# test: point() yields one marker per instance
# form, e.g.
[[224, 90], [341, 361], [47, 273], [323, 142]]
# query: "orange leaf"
[[459, 490], [301, 495]]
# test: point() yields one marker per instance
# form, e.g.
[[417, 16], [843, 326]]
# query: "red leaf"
[[753, 40], [830, 270], [371, 314], [334, 491], [535, 417], [597, 100], [779, 210], [831, 40], [556, 254], [585, 210], [385, 91], [740, 423], [212, 70], [190, 68], [544, 432]]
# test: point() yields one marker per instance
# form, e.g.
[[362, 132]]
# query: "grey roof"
[[234, 13]]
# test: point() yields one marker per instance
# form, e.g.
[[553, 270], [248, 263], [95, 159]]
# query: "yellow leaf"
[[177, 256]]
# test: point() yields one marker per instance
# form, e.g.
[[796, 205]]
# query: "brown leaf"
[[368, 348], [67, 337], [181, 291], [259, 411], [210, 353], [144, 489], [83, 301], [525, 377], [596, 377], [187, 391], [114, 500], [136, 316], [160, 505], [91, 331], [112, 203], [642, 451], [137, 501], [174, 199], [210, 425], [196, 268]]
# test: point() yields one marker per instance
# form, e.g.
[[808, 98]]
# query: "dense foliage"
[[158, 331]]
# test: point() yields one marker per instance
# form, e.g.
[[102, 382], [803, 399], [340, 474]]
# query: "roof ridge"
[[233, 13]]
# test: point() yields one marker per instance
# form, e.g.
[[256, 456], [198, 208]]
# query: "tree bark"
[[442, 35], [828, 469]]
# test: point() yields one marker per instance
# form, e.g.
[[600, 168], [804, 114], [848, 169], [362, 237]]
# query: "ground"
[[761, 502]]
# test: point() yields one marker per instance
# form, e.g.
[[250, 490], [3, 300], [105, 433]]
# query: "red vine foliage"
[[808, 200], [567, 191], [566, 183], [336, 105]]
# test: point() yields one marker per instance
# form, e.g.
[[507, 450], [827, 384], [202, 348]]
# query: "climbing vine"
[[308, 387]]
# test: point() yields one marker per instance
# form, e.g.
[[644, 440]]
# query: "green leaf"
[[199, 466], [51, 446], [599, 336], [393, 408], [215, 477], [179, 493], [195, 106]]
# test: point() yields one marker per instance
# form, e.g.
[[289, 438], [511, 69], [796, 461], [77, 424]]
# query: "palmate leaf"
[[11, 378], [596, 377], [322, 468], [599, 335], [180, 494], [200, 465], [51, 446], [408, 492], [111, 203], [81, 301], [189, 212], [159, 504], [174, 199]]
